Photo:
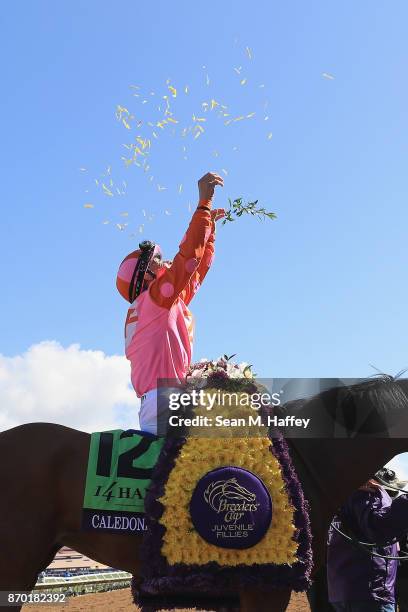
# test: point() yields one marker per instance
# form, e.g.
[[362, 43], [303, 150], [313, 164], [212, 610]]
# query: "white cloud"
[[86, 390]]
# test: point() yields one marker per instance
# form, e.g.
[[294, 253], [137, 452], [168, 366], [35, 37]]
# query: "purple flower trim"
[[161, 579]]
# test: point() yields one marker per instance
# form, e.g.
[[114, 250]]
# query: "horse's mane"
[[367, 407]]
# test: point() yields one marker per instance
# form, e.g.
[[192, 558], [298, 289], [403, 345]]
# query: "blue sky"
[[321, 291]]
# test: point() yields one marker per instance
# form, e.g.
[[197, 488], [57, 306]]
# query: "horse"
[[353, 432]]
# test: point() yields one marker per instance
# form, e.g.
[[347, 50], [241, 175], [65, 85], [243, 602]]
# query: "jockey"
[[159, 326]]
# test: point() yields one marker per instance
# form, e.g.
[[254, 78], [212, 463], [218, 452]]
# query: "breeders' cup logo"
[[230, 507], [219, 494]]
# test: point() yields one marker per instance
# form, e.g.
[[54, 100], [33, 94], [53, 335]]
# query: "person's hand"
[[217, 213], [207, 183]]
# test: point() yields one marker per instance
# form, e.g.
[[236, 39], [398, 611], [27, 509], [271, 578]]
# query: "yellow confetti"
[[207, 80], [186, 89], [266, 118], [215, 153], [152, 93], [108, 170], [141, 227], [83, 170], [88, 205], [227, 122], [161, 124], [121, 226], [239, 118], [151, 178], [224, 171], [106, 190], [243, 81], [197, 135], [180, 188], [125, 123], [143, 212], [124, 214], [106, 222], [167, 212], [155, 135], [134, 86], [173, 91], [96, 182], [160, 188], [172, 120], [124, 183], [248, 50], [250, 115], [269, 135], [214, 103], [199, 119], [238, 70], [118, 191], [111, 183], [328, 76]]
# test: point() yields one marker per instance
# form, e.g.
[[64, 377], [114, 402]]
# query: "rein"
[[365, 546]]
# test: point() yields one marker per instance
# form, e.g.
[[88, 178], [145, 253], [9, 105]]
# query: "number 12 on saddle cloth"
[[120, 466]]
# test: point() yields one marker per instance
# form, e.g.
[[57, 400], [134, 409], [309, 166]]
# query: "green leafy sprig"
[[237, 209]]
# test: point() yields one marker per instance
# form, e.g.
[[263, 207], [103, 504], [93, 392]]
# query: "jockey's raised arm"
[[192, 261]]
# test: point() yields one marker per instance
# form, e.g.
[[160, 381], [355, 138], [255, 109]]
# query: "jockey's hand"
[[207, 183], [217, 213]]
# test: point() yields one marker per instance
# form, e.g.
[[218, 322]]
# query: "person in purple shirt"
[[358, 581]]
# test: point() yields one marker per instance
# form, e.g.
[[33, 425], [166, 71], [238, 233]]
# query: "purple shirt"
[[352, 574]]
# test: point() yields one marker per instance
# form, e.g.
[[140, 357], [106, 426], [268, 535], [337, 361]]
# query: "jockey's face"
[[156, 268]]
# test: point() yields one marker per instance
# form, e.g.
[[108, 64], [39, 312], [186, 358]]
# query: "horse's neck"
[[331, 469], [335, 460]]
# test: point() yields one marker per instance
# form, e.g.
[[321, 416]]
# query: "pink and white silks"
[[159, 327]]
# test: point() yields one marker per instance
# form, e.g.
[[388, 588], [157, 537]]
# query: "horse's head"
[[233, 490]]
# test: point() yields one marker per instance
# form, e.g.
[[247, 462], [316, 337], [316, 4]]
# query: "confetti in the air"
[[106, 190], [173, 116], [328, 76]]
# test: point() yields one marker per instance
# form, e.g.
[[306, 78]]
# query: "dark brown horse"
[[353, 432]]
